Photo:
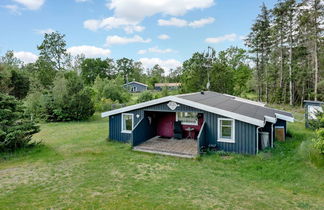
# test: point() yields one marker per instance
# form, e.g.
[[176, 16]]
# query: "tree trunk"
[[290, 65], [316, 68]]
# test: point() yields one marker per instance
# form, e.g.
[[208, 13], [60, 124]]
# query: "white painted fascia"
[[197, 105], [284, 117], [136, 106], [270, 119]]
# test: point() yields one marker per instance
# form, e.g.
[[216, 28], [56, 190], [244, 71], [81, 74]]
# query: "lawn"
[[76, 167]]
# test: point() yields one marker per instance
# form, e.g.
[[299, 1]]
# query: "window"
[[226, 130], [187, 118], [127, 123]]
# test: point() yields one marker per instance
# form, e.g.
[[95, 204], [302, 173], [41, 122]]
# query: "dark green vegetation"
[[16, 128], [287, 46], [76, 167]]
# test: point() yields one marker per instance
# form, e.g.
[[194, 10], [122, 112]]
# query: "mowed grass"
[[76, 167]]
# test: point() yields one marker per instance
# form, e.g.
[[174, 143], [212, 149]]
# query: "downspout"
[[257, 144], [271, 135]]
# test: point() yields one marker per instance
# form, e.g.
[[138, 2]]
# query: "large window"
[[187, 118], [127, 123], [226, 130]]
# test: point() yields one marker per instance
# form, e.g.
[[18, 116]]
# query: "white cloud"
[[26, 57], [173, 22], [164, 36], [181, 22], [111, 23], [12, 8], [201, 22], [165, 64], [156, 50], [44, 31], [88, 51], [31, 4], [110, 40], [227, 37], [137, 10]]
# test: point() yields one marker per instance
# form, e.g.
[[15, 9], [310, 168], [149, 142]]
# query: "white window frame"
[[122, 121], [219, 139], [187, 123]]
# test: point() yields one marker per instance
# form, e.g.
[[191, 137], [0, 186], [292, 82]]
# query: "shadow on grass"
[[33, 152]]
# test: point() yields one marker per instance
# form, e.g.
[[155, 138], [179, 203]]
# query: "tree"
[[16, 128], [10, 60], [53, 51], [19, 84], [69, 99], [93, 67]]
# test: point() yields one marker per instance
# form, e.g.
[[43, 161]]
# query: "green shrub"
[[35, 105], [69, 99], [145, 96], [319, 140], [16, 128]]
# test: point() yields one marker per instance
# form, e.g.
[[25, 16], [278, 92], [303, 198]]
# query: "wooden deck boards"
[[181, 148]]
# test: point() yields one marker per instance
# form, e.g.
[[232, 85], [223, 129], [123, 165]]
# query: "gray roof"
[[136, 83], [234, 104]]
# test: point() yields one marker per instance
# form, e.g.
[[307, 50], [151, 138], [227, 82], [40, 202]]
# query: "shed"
[[135, 87], [311, 108], [185, 125]]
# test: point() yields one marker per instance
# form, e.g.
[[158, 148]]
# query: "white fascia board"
[[270, 119], [136, 106], [218, 111], [284, 117], [197, 105]]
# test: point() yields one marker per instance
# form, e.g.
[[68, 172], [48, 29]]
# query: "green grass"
[[76, 167]]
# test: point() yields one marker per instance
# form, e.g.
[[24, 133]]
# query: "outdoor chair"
[[177, 130]]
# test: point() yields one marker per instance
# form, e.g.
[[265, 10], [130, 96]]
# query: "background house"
[[214, 120], [170, 86], [135, 87]]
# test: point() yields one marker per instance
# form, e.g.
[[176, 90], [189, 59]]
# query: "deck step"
[[176, 154]]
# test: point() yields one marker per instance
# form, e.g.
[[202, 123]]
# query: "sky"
[[164, 32]]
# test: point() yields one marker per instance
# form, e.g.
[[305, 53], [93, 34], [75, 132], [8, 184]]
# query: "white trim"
[[197, 105], [122, 121], [136, 83], [187, 123], [200, 106], [219, 139], [284, 117], [270, 119]]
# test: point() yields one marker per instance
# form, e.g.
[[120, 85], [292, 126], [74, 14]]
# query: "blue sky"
[[166, 32]]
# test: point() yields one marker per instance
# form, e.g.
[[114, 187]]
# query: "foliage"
[[35, 105], [318, 122], [69, 99], [13, 81], [226, 72], [93, 67], [53, 50], [319, 140], [145, 96], [16, 129]]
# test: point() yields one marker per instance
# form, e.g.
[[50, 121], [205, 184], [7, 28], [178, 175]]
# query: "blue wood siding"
[[201, 139], [245, 134], [142, 132], [140, 88]]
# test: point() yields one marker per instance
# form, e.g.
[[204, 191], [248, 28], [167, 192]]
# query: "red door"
[[165, 124]]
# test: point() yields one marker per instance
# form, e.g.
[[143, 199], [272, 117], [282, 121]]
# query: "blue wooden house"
[[186, 124], [135, 87]]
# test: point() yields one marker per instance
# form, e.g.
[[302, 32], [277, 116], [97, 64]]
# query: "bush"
[[145, 96], [319, 140], [35, 105], [69, 99], [16, 128]]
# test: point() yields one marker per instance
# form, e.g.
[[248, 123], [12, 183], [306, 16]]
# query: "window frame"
[[220, 139], [122, 122], [188, 123]]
